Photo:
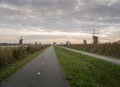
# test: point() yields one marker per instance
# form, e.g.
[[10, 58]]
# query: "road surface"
[[116, 61], [43, 71]]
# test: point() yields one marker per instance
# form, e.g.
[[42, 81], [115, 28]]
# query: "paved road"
[[116, 61], [43, 71]]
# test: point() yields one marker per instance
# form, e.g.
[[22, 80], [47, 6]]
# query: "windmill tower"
[[84, 41], [95, 38], [21, 40]]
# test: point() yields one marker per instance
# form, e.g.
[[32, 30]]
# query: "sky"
[[47, 21]]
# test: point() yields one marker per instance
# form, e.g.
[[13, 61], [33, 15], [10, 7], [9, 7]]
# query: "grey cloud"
[[60, 15]]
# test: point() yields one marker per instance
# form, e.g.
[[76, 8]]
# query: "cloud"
[[73, 16]]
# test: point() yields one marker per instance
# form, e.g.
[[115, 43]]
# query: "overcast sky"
[[59, 20]]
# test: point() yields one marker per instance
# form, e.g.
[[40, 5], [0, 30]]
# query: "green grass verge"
[[85, 71], [8, 70]]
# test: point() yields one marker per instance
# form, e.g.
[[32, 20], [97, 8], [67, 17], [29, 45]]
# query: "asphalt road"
[[43, 71], [115, 61]]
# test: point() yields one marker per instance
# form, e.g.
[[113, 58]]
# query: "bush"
[[9, 55], [108, 49]]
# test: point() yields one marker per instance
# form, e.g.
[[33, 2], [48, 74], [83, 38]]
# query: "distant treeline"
[[11, 44], [107, 49], [5, 44], [18, 45]]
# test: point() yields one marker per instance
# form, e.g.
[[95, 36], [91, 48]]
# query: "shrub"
[[108, 49], [9, 55]]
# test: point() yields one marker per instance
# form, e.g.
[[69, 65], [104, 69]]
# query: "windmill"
[[84, 41], [21, 40], [95, 38]]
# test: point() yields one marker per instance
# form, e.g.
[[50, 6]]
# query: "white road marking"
[[38, 73]]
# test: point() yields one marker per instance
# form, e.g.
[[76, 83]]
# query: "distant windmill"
[[21, 40], [85, 41], [95, 38]]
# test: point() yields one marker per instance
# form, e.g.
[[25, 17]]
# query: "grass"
[[85, 71], [11, 68]]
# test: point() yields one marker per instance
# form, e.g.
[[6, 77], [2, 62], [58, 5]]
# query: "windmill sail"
[[94, 32], [21, 40]]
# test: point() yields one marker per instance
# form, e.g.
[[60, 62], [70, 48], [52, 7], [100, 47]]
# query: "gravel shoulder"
[[115, 61]]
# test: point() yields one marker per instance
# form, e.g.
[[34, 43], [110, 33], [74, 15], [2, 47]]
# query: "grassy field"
[[85, 71], [107, 49], [10, 68]]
